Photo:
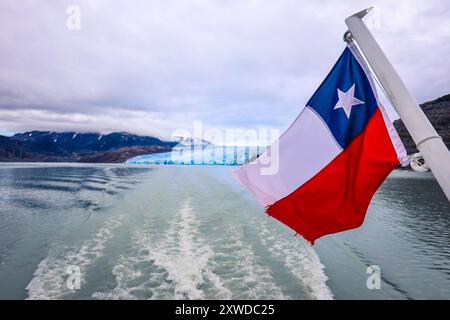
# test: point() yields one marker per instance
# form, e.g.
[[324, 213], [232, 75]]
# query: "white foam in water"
[[182, 263], [186, 258], [247, 278], [134, 274], [50, 276], [301, 259], [126, 271]]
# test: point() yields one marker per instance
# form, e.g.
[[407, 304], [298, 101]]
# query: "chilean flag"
[[333, 157]]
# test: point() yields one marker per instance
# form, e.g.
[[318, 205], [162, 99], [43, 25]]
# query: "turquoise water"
[[192, 232]]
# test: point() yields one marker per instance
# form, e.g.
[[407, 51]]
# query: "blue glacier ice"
[[201, 155]]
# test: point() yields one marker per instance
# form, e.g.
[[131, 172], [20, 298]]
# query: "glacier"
[[201, 155]]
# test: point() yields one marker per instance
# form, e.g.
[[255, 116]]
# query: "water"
[[192, 232]]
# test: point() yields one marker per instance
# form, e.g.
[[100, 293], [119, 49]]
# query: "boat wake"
[[49, 279], [178, 266], [301, 259]]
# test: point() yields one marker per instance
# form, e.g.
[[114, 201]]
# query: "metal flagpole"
[[429, 143]]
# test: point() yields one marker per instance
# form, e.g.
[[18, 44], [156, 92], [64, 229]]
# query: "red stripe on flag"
[[337, 197]]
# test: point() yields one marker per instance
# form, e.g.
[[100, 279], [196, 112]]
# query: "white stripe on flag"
[[304, 149]]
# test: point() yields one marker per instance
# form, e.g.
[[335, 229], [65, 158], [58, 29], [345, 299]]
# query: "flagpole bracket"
[[417, 163], [348, 37]]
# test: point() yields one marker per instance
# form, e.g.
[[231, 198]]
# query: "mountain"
[[85, 142], [10, 149], [78, 147], [121, 155], [191, 141], [438, 112]]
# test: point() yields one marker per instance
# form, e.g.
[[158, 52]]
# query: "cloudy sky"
[[149, 67]]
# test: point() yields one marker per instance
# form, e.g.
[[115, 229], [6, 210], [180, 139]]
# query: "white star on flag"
[[347, 100]]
